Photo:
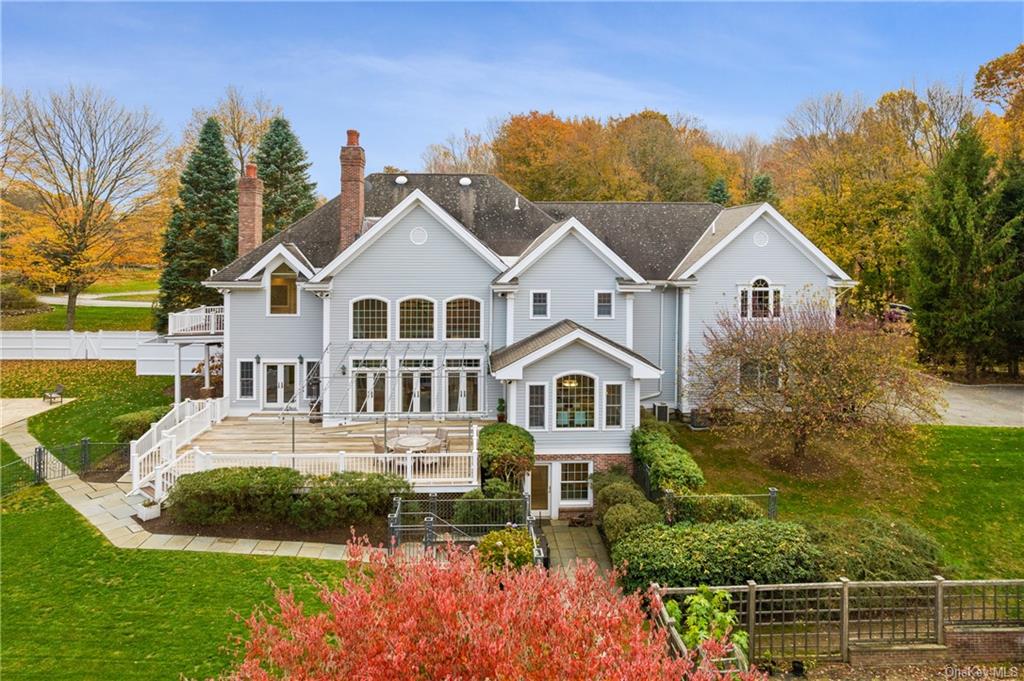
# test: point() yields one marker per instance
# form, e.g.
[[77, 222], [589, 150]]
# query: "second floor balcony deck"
[[197, 321]]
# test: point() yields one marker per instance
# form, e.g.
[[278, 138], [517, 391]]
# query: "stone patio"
[[569, 543]]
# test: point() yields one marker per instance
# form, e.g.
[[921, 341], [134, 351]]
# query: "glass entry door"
[[540, 489], [369, 385], [417, 386], [463, 385], [278, 384]]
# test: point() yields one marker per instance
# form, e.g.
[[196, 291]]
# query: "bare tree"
[[90, 164], [805, 377], [243, 121], [948, 108], [468, 153]]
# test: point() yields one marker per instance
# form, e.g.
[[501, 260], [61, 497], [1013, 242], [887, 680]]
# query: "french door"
[[278, 384], [416, 385], [463, 385], [369, 379], [540, 490]]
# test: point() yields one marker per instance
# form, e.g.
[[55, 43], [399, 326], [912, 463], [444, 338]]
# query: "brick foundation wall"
[[864, 655], [985, 644], [602, 462]]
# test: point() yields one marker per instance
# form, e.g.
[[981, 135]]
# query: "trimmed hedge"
[[717, 553], [616, 494], [876, 548], [669, 464], [281, 495], [134, 424], [511, 546], [615, 474], [506, 450], [621, 519], [710, 508], [14, 297]]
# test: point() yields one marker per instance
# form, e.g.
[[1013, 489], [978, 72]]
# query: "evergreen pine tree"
[[1009, 212], [963, 274], [202, 233], [762, 190], [287, 192], [718, 192]]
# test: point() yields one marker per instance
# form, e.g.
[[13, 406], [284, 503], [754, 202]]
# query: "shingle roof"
[[651, 237], [726, 222], [512, 353]]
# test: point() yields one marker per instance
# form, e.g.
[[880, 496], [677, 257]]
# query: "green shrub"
[[709, 508], [511, 546], [14, 297], [489, 506], [496, 488], [624, 518], [669, 463], [875, 548], [133, 425], [615, 474], [506, 450], [226, 495], [615, 494], [717, 553]]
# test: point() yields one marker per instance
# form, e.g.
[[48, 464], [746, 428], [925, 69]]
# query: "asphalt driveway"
[[983, 405]]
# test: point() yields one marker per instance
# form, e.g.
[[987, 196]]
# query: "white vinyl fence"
[[152, 357]]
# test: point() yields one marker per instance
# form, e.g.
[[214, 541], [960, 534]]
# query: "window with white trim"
[[756, 374], [246, 380], [284, 298], [539, 304], [574, 401], [370, 319], [462, 319], [613, 405], [575, 485], [537, 405], [313, 381], [760, 300], [604, 305], [416, 319]]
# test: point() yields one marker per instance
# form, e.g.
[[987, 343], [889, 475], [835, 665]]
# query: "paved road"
[[100, 299], [983, 405]]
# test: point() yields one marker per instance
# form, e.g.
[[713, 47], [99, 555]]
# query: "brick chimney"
[[353, 167], [250, 210]]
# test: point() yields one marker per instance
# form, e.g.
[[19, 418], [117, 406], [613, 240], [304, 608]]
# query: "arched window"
[[574, 401], [416, 319], [462, 319], [760, 300], [370, 319], [284, 297]]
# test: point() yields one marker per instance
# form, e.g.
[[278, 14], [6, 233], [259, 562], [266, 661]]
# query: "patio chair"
[[442, 436], [55, 394], [379, 447], [414, 429]]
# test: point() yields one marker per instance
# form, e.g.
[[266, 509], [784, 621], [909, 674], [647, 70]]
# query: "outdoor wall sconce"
[[344, 370], [301, 360], [257, 358]]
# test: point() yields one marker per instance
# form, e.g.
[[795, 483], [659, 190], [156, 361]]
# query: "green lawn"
[[75, 607], [126, 281], [14, 473], [86, 319], [135, 297], [104, 389], [962, 485]]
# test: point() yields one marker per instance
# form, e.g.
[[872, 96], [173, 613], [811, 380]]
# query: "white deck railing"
[[197, 321], [183, 423]]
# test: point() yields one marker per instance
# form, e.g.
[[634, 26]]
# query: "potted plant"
[[150, 510], [501, 410]]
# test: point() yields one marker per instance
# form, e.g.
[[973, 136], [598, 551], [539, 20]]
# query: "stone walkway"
[[569, 543], [17, 409]]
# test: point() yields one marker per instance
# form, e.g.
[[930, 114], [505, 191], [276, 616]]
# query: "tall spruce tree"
[[202, 233], [288, 193], [964, 280], [1009, 211], [718, 192], [762, 190]]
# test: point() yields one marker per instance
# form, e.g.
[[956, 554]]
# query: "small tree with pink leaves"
[[395, 618]]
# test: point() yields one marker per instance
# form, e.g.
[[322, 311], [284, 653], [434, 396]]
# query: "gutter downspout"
[[661, 338]]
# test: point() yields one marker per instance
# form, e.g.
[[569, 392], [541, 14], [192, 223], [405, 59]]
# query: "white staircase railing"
[[197, 321]]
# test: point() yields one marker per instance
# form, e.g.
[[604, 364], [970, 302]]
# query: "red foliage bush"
[[394, 618]]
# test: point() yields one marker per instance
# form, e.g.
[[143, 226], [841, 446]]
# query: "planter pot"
[[501, 417], [149, 512]]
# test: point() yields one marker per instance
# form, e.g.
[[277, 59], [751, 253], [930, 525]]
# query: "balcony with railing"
[[197, 321]]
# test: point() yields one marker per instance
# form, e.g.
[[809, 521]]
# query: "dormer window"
[[284, 298], [760, 300]]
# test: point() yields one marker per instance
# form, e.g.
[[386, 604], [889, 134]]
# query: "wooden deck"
[[263, 436]]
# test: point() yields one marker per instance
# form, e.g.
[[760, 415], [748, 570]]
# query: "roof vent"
[[465, 181], [401, 179]]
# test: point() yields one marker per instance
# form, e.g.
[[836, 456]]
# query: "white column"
[[177, 373], [510, 317], [511, 388], [684, 359], [325, 363], [206, 365], [225, 359], [636, 402], [629, 321]]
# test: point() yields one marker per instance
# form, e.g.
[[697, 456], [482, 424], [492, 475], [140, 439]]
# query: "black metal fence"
[[86, 456], [15, 475], [692, 504]]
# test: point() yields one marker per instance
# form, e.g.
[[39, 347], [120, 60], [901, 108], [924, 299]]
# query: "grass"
[[86, 319], [104, 389], [135, 297], [75, 607], [15, 474], [962, 485], [127, 280]]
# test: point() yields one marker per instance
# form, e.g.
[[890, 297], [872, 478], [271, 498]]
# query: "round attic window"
[[760, 239], [401, 179], [465, 181], [418, 236]]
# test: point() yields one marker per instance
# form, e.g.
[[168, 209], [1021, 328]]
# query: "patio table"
[[412, 443]]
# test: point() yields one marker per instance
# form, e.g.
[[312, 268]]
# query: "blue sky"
[[407, 75]]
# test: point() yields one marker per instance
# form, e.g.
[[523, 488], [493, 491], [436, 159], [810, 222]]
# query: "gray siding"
[[654, 336], [571, 271], [394, 268], [253, 332], [572, 358]]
